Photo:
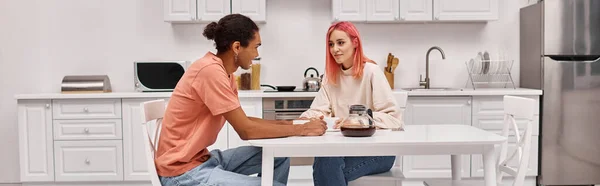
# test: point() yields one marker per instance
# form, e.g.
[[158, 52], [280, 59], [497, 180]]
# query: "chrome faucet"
[[426, 83]]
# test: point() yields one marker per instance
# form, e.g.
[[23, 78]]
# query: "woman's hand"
[[338, 123]]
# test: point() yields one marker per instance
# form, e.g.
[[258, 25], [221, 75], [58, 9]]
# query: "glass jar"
[[245, 79], [359, 123], [255, 82]]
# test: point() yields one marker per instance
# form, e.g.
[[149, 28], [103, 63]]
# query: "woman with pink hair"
[[352, 78]]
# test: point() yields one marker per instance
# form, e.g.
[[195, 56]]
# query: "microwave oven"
[[158, 76]]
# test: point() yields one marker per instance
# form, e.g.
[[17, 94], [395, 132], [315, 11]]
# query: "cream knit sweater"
[[371, 90]]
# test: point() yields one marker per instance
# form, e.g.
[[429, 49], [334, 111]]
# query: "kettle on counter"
[[311, 83]]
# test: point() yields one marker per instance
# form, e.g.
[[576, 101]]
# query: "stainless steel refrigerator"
[[560, 54]]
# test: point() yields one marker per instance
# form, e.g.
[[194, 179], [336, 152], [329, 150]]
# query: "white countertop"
[[260, 94], [478, 92]]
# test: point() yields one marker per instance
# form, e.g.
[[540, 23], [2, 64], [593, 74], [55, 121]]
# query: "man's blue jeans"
[[339, 171], [230, 167]]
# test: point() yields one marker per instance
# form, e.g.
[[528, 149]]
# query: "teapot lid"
[[357, 108]]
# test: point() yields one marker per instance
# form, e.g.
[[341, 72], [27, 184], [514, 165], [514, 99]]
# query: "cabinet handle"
[[47, 105], [86, 130], [437, 18], [469, 102], [85, 109], [402, 18], [336, 19], [87, 161]]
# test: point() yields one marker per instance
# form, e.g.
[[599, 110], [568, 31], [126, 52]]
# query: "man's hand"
[[305, 118], [284, 122], [315, 127]]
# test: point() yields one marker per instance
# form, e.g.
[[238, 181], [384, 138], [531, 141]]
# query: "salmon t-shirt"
[[194, 117]]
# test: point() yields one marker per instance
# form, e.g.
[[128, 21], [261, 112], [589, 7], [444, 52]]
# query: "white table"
[[453, 140]]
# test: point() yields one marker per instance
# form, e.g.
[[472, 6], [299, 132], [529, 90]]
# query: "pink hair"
[[332, 69]]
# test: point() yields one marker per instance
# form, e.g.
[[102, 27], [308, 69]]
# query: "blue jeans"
[[339, 171], [230, 167]]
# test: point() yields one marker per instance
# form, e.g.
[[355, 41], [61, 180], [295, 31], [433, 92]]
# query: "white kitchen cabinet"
[[86, 109], [75, 129], [488, 114], [179, 10], [206, 11], [212, 10], [53, 148], [89, 160], [255, 9], [465, 10], [35, 140], [349, 10], [202, 11], [416, 10], [134, 158], [494, 105], [253, 108], [382, 10], [365, 10], [436, 110]]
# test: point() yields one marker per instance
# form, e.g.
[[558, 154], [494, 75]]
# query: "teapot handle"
[[370, 114], [311, 68]]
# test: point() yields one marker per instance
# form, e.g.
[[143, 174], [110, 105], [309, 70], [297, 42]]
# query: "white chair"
[[514, 108], [395, 174], [152, 111]]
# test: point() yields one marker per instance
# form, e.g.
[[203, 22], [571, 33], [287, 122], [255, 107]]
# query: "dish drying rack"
[[490, 72]]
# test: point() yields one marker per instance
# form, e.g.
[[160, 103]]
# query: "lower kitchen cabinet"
[[35, 140], [99, 140], [134, 163], [436, 110], [488, 114], [253, 108], [89, 160]]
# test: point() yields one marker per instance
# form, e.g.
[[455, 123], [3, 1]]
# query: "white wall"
[[43, 40]]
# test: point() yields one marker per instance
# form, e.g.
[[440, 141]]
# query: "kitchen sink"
[[432, 89]]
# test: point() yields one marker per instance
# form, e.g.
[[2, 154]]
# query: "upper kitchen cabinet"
[[349, 10], [212, 10], [465, 10], [365, 10], [255, 9], [382, 10], [189, 11], [205, 11], [414, 10], [179, 10]]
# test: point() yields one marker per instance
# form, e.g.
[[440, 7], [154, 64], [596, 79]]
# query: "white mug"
[[330, 122]]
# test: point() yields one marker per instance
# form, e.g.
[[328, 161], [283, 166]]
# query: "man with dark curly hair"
[[204, 98]]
